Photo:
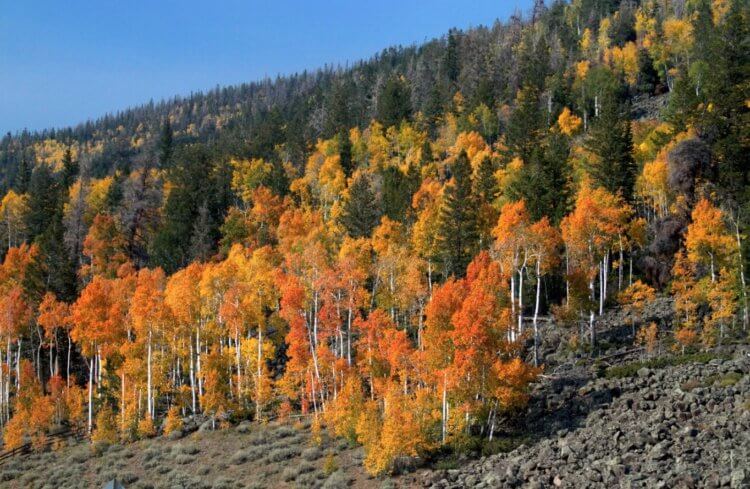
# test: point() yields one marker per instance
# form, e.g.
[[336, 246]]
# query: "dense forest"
[[381, 246]]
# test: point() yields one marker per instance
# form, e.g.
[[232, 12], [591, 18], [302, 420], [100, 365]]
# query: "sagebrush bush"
[[311, 454], [281, 454], [329, 464]]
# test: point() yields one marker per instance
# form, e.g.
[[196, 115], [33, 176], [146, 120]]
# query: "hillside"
[[448, 251], [632, 420]]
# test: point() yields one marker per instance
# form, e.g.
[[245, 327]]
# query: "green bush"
[[730, 379], [631, 369]]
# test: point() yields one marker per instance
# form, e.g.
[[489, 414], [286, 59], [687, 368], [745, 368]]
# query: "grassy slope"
[[247, 456]]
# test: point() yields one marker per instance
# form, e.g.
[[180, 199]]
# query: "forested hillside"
[[378, 246]]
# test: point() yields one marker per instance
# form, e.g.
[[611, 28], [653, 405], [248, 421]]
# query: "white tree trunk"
[[149, 398], [91, 394], [536, 313]]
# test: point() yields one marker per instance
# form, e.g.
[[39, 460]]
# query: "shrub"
[[311, 454], [329, 464], [281, 454], [98, 448], [289, 474], [183, 459], [173, 421], [283, 432], [631, 369], [730, 379], [146, 428], [184, 449], [240, 457], [337, 480], [106, 429]]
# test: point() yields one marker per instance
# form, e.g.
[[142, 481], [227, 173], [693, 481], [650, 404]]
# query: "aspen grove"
[[394, 275]]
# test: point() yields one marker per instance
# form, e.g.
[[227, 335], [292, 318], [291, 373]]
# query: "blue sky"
[[62, 62]]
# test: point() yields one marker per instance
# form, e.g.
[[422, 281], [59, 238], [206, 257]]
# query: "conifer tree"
[[458, 230], [360, 212], [611, 141], [394, 102], [525, 124], [345, 151], [166, 144]]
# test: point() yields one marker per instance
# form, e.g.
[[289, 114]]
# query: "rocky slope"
[[678, 426]]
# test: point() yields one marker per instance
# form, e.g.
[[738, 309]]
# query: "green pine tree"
[[458, 233], [360, 213], [394, 102], [485, 183], [610, 139], [345, 152]]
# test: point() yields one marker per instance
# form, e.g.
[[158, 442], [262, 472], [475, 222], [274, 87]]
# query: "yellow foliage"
[[146, 428], [247, 175], [677, 37], [603, 39], [624, 60], [568, 122], [587, 42], [582, 69], [173, 421], [52, 151], [106, 428], [647, 337], [399, 435]]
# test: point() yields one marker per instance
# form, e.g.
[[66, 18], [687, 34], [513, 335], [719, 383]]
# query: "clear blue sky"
[[62, 62]]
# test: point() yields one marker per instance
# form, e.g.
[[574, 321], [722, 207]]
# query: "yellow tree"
[[149, 314], [98, 325], [511, 251], [13, 211], [544, 241], [54, 315], [634, 300], [590, 232], [424, 236], [707, 241], [182, 295]]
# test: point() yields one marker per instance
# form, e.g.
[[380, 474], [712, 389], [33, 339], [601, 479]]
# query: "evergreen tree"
[[201, 241], [398, 189], [69, 169], [278, 181], [23, 176], [59, 268], [394, 102], [610, 139], [544, 182], [648, 77], [451, 66], [345, 152], [458, 232], [166, 144], [196, 181], [525, 125], [338, 109], [360, 213], [485, 183], [44, 190]]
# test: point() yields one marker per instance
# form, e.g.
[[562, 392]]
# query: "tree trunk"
[[520, 298], [536, 313], [91, 394], [745, 318], [192, 375], [259, 373], [149, 399], [444, 427]]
